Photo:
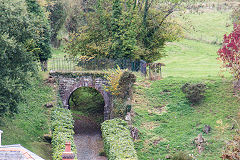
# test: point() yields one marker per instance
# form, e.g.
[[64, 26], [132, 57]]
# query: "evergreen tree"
[[43, 28], [57, 18], [123, 35]]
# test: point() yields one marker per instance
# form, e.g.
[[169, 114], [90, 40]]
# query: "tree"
[[122, 29], [57, 18], [123, 43], [42, 39], [16, 56], [229, 53]]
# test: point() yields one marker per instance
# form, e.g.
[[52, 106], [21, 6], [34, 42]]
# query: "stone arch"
[[68, 99], [97, 84]]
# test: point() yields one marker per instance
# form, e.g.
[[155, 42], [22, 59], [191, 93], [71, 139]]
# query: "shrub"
[[232, 148], [194, 92], [118, 143], [120, 84], [62, 131], [126, 81], [113, 76], [229, 53], [181, 156]]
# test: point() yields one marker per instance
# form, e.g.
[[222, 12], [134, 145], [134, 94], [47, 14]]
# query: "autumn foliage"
[[229, 53]]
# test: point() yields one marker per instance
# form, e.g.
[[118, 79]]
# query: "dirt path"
[[88, 139]]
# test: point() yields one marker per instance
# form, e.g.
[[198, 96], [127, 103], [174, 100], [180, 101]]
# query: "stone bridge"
[[68, 82]]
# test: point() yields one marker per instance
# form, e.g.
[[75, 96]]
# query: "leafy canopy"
[[41, 24], [124, 29], [16, 58]]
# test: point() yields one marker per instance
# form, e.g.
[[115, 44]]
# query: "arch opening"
[[87, 107]]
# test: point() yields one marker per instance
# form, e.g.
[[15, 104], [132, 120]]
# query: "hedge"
[[62, 131], [118, 143]]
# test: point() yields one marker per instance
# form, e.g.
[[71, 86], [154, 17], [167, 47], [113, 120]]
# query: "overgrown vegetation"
[[28, 126], [41, 39], [120, 83], [194, 92], [16, 60], [62, 130], [118, 143]]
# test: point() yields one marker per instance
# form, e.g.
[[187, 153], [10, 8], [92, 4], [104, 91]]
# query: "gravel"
[[88, 139]]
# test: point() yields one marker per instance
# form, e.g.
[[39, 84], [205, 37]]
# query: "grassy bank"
[[32, 122], [168, 123]]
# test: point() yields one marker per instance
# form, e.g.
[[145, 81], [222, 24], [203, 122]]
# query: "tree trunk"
[[44, 65], [145, 14]]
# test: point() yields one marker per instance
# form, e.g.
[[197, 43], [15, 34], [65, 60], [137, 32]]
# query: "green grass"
[[189, 58], [198, 57], [209, 27], [165, 119], [168, 123], [58, 53], [32, 122]]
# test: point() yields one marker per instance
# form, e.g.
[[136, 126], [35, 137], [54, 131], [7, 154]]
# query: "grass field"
[[208, 27], [190, 58], [198, 57], [167, 122]]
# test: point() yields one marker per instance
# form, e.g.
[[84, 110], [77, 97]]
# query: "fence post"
[[143, 67]]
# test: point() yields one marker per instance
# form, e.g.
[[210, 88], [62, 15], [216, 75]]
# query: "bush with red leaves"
[[229, 53]]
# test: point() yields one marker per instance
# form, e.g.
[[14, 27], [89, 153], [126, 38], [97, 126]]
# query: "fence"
[[72, 64], [151, 70]]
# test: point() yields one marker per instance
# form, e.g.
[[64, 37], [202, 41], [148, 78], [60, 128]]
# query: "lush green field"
[[31, 123], [198, 57], [208, 27], [190, 58], [165, 119]]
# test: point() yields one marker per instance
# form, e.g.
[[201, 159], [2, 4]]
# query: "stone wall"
[[69, 82]]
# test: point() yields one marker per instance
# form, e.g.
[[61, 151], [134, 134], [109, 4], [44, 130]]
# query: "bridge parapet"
[[68, 82]]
